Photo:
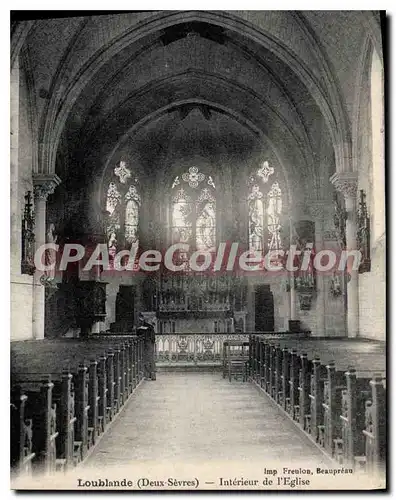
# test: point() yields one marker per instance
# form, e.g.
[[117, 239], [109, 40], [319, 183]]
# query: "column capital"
[[44, 185], [345, 183]]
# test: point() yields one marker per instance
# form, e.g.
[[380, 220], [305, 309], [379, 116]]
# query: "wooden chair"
[[235, 359]]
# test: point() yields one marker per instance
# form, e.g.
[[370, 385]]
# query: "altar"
[[199, 304]]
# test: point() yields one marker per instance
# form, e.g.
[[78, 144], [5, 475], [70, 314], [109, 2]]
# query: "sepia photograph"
[[198, 250]]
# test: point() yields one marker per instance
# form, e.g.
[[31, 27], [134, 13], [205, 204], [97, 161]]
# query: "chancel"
[[184, 185]]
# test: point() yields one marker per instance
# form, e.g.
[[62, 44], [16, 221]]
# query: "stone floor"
[[195, 417]]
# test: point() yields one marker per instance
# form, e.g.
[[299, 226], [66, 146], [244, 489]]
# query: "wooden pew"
[[79, 398], [21, 449], [305, 373], [136, 347], [37, 439], [118, 372], [103, 409], [253, 357], [138, 343], [257, 367], [137, 361], [315, 423], [334, 404], [278, 374], [333, 387], [65, 400], [352, 417], [285, 377], [53, 361], [104, 382], [62, 398], [267, 367], [273, 386], [68, 398], [375, 426], [124, 368], [292, 406], [261, 362], [83, 434], [87, 384], [114, 371], [250, 363]]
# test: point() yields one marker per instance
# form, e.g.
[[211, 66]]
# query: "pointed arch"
[[332, 109]]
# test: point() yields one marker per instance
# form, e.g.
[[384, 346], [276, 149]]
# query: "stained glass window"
[[113, 198], [131, 222], [264, 211], [274, 210], [182, 217], [256, 219], [113, 207], [123, 206], [194, 210]]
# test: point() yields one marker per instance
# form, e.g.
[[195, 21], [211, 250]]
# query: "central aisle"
[[190, 417]]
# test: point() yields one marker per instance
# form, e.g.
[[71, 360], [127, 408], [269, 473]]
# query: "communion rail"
[[201, 348]]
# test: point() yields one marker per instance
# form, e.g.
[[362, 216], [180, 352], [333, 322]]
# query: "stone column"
[[14, 150], [316, 209], [43, 185], [293, 298], [288, 304], [293, 294], [346, 183]]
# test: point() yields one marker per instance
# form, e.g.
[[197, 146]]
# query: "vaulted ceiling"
[[255, 84]]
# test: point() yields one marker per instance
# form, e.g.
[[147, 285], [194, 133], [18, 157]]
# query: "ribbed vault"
[[260, 39], [192, 63]]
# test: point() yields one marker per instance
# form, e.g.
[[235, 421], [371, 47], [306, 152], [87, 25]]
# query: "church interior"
[[148, 129]]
